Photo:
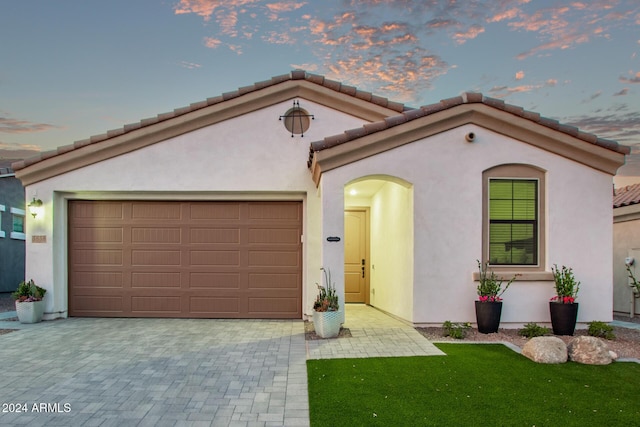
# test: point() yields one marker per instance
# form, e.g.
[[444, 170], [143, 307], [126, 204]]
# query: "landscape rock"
[[613, 354], [550, 350], [589, 351]]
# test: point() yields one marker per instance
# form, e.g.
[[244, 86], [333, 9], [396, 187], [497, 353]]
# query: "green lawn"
[[474, 385]]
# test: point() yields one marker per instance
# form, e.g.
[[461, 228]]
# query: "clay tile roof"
[[625, 196], [293, 75], [466, 98]]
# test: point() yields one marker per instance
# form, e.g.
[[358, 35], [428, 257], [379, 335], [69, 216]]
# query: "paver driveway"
[[155, 372]]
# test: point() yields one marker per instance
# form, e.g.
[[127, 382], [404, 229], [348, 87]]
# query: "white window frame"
[[2, 233], [20, 212]]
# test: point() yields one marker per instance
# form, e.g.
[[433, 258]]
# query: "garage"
[[185, 259]]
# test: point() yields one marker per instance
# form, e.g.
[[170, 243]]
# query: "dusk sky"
[[70, 69]]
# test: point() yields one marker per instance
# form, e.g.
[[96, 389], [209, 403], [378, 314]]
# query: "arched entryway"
[[378, 243]]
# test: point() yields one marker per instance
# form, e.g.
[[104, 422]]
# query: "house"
[[229, 208], [626, 248], [12, 235]]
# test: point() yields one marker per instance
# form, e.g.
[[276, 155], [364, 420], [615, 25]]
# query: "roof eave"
[[165, 126], [497, 120]]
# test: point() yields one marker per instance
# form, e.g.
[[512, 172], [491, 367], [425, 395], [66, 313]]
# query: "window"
[[2, 209], [17, 229], [513, 220]]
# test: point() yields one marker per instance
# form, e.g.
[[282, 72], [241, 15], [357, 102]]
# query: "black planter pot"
[[563, 318], [488, 316]]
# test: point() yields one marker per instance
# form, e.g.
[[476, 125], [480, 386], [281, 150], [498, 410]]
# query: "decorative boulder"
[[545, 350], [589, 351]]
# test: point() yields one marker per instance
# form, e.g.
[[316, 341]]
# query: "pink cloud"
[[212, 43], [520, 75], [473, 32], [633, 79], [507, 14], [9, 125]]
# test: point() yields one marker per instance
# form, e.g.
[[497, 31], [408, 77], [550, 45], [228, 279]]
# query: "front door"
[[356, 264]]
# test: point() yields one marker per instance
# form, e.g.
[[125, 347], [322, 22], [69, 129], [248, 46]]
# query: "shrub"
[[456, 330], [601, 330], [532, 330]]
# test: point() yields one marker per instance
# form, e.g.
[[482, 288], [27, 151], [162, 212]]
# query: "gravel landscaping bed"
[[626, 344]]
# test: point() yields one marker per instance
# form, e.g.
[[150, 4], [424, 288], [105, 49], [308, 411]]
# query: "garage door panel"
[[157, 258], [264, 258], [213, 280], [100, 304], [275, 236], [215, 306], [185, 259], [273, 281], [98, 257], [92, 210], [156, 280], [274, 212], [97, 234], [215, 211], [159, 235], [156, 210], [162, 305], [98, 279], [270, 305], [215, 258], [215, 235]]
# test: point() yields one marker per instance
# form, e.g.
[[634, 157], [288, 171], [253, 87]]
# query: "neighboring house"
[[12, 232], [215, 210], [626, 244]]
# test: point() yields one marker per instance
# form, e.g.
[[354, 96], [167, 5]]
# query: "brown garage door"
[[185, 259]]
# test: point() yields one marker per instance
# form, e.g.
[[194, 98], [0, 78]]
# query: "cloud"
[[347, 36], [9, 125], [612, 124], [633, 79], [190, 65], [504, 91], [470, 33], [564, 26], [206, 8], [592, 97], [623, 92], [8, 148], [212, 43]]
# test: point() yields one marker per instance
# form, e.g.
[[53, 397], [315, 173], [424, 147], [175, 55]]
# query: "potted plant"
[[489, 304], [29, 302], [326, 316], [562, 307]]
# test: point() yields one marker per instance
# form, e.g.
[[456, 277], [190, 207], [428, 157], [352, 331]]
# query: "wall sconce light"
[[35, 207]]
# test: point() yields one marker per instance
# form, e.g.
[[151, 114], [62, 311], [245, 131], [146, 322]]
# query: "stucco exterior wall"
[[247, 157], [392, 250], [446, 173], [626, 242]]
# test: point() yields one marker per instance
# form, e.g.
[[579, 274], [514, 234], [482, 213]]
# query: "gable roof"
[[130, 137], [469, 108], [625, 196]]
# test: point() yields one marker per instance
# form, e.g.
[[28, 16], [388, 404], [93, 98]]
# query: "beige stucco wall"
[[248, 157], [626, 242], [446, 173]]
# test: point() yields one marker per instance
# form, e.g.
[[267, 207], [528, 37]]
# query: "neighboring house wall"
[[247, 157], [626, 243], [12, 244], [446, 174]]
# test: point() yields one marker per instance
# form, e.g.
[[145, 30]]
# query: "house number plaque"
[[38, 239]]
